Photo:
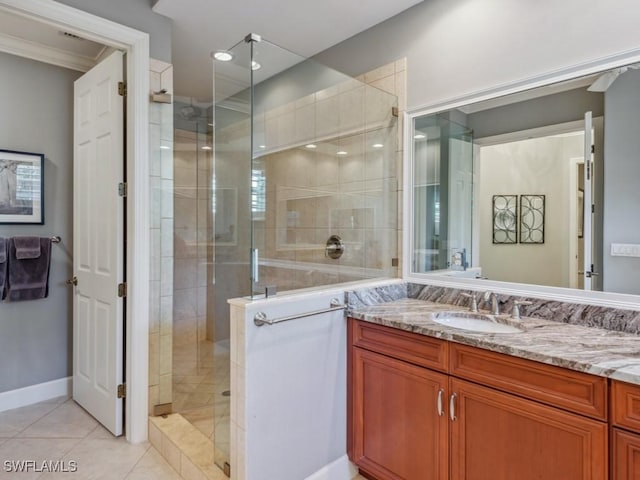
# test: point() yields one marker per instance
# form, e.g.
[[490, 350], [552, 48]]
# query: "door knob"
[[73, 281]]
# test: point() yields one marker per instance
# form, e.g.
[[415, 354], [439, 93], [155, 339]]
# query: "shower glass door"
[[230, 242]]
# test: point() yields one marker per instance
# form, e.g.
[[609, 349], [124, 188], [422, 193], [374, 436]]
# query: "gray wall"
[[37, 116], [621, 179], [539, 112], [455, 47], [135, 14]]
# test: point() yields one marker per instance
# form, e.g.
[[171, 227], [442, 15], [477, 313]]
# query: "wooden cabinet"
[[574, 391], [625, 405], [625, 445], [480, 416], [625, 455], [498, 436], [400, 431]]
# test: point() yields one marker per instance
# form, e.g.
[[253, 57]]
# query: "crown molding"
[[44, 53]]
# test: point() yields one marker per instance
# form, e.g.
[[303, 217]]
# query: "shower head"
[[189, 112]]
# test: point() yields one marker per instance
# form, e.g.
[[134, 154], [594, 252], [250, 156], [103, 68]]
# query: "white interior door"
[[98, 252], [588, 202]]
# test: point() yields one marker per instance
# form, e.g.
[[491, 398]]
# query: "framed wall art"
[[505, 219], [532, 218], [21, 187]]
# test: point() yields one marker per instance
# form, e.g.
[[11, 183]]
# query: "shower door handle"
[[255, 268]]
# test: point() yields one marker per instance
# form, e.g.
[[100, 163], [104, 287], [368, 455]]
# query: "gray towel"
[[27, 247], [4, 257], [28, 279]]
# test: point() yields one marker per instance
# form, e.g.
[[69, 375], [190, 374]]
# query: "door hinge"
[[122, 89], [122, 290], [593, 208], [122, 390], [122, 189], [394, 111], [593, 149]]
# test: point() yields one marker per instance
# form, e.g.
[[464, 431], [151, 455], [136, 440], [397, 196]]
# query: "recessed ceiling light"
[[377, 145], [419, 136], [341, 152], [165, 147], [206, 147], [255, 65], [311, 146], [223, 56]]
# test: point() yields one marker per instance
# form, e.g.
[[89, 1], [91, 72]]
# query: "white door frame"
[[573, 220], [136, 46]]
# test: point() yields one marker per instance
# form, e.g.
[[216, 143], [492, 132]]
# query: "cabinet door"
[[398, 432], [498, 436], [625, 455]]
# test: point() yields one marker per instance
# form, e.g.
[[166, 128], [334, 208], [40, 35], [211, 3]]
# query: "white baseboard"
[[35, 393], [341, 469]]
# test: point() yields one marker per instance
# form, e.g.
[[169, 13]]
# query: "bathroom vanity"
[[427, 401]]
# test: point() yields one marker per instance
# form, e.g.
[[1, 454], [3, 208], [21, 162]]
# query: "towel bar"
[[261, 319]]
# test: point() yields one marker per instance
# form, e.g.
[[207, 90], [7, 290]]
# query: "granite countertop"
[[606, 353]]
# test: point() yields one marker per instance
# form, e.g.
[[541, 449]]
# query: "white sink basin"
[[474, 322]]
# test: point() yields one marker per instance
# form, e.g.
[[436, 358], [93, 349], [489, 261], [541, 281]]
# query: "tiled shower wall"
[[161, 191], [192, 200], [314, 193]]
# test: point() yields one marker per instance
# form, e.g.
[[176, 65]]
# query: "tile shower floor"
[[61, 430], [201, 389]]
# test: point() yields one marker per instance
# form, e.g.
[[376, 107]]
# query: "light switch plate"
[[625, 250]]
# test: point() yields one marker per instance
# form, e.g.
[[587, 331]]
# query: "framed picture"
[[505, 219], [532, 218], [21, 187]]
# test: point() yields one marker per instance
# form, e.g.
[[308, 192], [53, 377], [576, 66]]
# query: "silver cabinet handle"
[[440, 409], [452, 407]]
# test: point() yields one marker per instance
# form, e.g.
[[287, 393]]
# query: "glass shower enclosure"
[[442, 194], [304, 180]]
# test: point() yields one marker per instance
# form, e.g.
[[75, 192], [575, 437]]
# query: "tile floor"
[[61, 430]]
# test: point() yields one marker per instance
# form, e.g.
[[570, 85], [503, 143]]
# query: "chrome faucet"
[[495, 302], [473, 307], [515, 312]]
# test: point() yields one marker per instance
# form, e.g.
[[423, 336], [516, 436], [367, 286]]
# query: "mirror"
[[502, 188]]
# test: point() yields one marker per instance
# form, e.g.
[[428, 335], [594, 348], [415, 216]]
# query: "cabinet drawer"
[[411, 347], [625, 405], [575, 391]]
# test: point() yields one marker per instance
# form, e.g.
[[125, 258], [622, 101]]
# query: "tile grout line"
[[38, 419], [137, 462]]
